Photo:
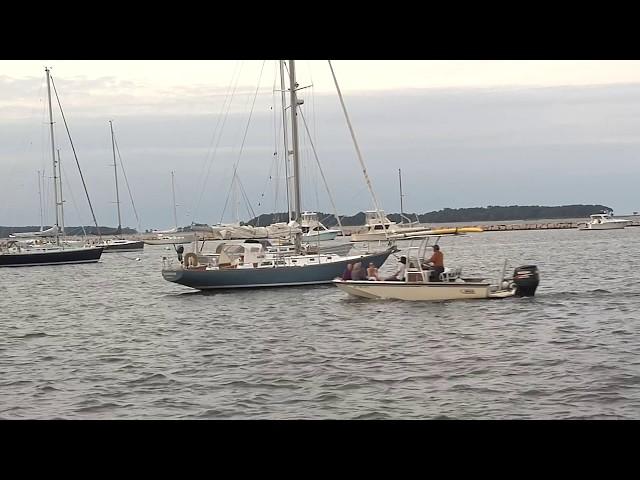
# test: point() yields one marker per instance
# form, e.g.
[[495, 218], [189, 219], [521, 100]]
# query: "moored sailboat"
[[119, 244], [249, 265], [16, 253]]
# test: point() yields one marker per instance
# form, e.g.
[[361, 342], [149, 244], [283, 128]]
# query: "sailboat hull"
[[168, 241], [55, 257], [123, 246], [268, 276]]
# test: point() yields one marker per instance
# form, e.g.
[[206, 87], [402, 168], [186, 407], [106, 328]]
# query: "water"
[[114, 340]]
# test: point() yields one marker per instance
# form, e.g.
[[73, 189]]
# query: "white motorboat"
[[421, 284], [379, 227], [604, 221], [169, 240], [313, 230]]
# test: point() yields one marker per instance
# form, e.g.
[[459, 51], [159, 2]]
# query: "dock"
[[504, 227]]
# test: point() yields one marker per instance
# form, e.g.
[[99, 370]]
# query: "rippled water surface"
[[114, 340]]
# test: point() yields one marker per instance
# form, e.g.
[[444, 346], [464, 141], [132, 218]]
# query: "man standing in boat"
[[436, 263]]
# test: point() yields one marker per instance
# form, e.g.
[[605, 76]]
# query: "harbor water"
[[113, 340]]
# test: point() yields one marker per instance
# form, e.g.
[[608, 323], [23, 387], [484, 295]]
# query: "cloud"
[[456, 147]]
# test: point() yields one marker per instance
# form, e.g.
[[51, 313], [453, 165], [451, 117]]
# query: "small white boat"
[[379, 227], [169, 239], [313, 230], [419, 283], [604, 221]]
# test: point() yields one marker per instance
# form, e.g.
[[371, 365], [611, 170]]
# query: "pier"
[[504, 227]]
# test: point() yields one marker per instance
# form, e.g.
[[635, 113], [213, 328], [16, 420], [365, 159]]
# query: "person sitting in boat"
[[347, 273], [358, 272], [399, 274], [435, 264], [372, 272]]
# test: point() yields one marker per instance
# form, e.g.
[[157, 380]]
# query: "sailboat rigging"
[[119, 244], [253, 263], [163, 237]]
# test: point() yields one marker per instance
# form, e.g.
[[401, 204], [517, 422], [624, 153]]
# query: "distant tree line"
[[491, 213]]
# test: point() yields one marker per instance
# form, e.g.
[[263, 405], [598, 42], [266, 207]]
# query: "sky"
[[464, 134]]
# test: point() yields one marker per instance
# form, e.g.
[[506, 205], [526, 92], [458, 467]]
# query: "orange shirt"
[[438, 259]]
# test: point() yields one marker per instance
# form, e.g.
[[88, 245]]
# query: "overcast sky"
[[464, 133]]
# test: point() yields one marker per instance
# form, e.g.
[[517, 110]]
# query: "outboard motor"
[[180, 251], [526, 280]]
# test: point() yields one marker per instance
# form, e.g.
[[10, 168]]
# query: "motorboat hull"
[[53, 257], [323, 236], [428, 291], [281, 276], [605, 226], [395, 232], [367, 237]]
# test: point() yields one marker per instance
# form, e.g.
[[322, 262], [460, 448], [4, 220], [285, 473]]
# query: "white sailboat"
[[250, 265]]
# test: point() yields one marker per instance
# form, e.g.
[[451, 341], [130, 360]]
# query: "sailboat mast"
[[235, 200], [173, 193], [115, 171], [53, 155], [401, 208], [40, 202], [294, 135], [61, 198], [286, 140]]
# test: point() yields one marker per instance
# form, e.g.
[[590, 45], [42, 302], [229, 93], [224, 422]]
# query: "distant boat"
[[604, 221], [313, 230], [379, 227], [165, 237], [16, 253], [119, 244]]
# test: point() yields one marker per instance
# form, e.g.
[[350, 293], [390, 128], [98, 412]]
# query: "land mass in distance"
[[491, 213]]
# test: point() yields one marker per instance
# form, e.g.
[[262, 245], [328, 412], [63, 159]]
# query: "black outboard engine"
[[526, 280], [180, 251]]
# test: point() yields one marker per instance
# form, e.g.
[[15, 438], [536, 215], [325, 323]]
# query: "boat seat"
[[415, 277], [451, 275]]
